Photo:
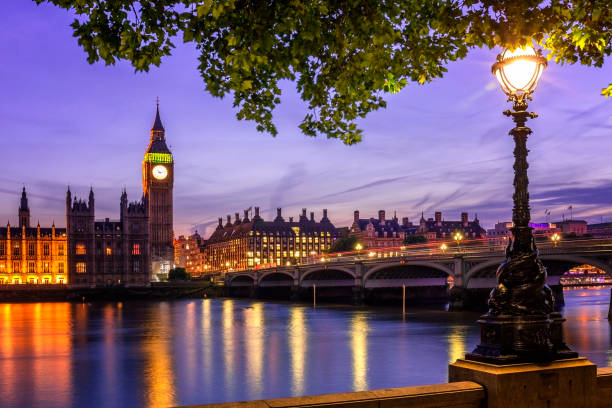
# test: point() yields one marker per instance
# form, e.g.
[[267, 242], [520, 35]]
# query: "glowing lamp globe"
[[518, 71]]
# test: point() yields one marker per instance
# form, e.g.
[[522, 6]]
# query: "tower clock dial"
[[160, 172]]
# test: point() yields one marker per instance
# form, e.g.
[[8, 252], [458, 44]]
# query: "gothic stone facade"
[[32, 255], [107, 253]]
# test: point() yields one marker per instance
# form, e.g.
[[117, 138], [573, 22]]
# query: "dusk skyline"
[[443, 146]]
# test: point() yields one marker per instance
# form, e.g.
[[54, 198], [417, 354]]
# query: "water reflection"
[[160, 354], [456, 344], [159, 374], [228, 344], [35, 348], [254, 337], [359, 347], [298, 339]]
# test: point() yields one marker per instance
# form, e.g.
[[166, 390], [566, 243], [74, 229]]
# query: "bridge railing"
[[436, 250]]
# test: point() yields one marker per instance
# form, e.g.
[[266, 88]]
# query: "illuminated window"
[[46, 267], [2, 249], [45, 249], [80, 249], [30, 267], [16, 249], [109, 251], [60, 267], [60, 249], [2, 267], [31, 250], [136, 249], [81, 267], [16, 267]]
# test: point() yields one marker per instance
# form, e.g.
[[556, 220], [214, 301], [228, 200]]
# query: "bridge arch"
[[275, 275], [311, 271], [580, 260], [242, 279], [431, 265], [489, 266]]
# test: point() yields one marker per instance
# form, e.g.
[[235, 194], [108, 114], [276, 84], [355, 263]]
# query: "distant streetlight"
[[521, 301], [443, 247], [358, 247], [458, 237], [555, 238]]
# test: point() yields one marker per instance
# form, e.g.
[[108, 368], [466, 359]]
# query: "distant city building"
[[439, 229], [158, 184], [107, 253], [600, 230], [32, 255], [380, 232], [576, 227], [189, 254], [502, 231], [247, 243]]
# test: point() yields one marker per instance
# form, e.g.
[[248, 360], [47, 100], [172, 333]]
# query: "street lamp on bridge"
[[555, 238], [458, 237], [521, 325]]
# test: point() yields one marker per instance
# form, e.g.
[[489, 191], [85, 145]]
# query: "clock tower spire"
[[157, 185]]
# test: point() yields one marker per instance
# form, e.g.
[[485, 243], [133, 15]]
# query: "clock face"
[[160, 172]]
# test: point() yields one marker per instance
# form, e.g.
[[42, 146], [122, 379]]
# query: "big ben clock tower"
[[157, 184]]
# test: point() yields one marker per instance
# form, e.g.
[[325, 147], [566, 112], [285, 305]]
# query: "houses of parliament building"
[[92, 252]]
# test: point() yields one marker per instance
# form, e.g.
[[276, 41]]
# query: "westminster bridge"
[[419, 272]]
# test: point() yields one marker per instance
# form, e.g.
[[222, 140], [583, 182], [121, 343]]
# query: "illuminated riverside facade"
[[255, 243], [32, 255], [189, 254], [106, 252]]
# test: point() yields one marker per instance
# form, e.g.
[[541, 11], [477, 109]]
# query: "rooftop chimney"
[[246, 216], [220, 222], [439, 217], [312, 216], [229, 221], [356, 216], [464, 219], [381, 215]]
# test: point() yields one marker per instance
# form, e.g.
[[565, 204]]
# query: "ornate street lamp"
[[521, 325], [555, 238]]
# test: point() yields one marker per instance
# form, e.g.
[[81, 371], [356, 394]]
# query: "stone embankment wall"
[[464, 394]]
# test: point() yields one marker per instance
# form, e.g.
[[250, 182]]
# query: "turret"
[[91, 199], [24, 210]]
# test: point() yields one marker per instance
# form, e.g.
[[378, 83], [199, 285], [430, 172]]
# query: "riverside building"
[[380, 232], [33, 255], [439, 229], [246, 243], [107, 252]]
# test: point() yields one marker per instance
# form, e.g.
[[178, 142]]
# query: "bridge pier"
[[358, 295], [610, 308]]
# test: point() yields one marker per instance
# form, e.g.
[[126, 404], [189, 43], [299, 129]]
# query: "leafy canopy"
[[344, 56], [343, 245]]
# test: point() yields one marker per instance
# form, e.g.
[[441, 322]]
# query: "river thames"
[[158, 354]]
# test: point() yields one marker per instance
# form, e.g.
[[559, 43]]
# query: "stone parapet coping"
[[463, 394]]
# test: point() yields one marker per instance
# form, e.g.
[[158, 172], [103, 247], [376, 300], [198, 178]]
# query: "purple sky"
[[443, 146]]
